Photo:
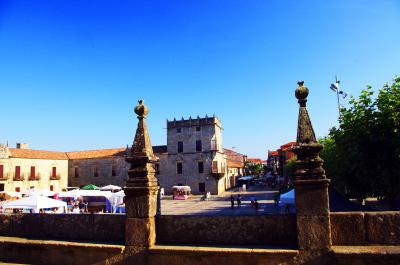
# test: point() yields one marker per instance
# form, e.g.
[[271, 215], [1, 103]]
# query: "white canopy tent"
[[287, 198], [38, 192], [35, 203], [84, 193], [13, 194], [111, 188]]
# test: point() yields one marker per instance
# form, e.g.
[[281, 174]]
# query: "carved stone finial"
[[307, 148], [311, 184], [141, 187], [305, 131], [141, 110], [301, 93]]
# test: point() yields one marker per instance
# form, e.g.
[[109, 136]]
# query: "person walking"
[[239, 200], [256, 205], [232, 202]]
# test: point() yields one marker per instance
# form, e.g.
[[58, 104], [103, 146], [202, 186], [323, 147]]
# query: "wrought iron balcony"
[[34, 177], [19, 177], [55, 177]]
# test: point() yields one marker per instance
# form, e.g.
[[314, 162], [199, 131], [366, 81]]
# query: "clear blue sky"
[[71, 72]]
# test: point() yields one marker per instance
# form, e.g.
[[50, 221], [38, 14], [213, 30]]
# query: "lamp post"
[[336, 88]]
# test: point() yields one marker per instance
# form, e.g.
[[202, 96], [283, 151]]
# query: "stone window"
[[95, 172], [51, 188], [113, 170], [178, 130], [198, 128], [76, 172], [200, 166], [17, 189], [198, 146], [54, 172], [1, 171], [2, 187], [180, 147], [179, 167]]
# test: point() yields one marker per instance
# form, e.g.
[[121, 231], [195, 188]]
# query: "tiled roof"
[[274, 153], [114, 152], [97, 153], [37, 154], [234, 159], [255, 160]]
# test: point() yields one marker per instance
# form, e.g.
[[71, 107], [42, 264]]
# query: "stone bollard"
[[311, 185], [141, 189]]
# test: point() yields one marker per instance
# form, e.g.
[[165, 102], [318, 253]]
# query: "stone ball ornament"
[[301, 91], [141, 110]]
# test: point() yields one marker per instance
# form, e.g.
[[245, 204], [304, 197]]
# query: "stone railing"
[[81, 227], [272, 230]]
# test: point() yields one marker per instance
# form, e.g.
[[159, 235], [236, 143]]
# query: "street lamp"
[[336, 88]]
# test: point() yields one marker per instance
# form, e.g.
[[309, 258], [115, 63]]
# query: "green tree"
[[290, 168], [362, 155]]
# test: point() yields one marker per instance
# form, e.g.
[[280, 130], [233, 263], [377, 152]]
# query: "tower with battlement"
[[195, 156]]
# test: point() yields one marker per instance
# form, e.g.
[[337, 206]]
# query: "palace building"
[[193, 156]]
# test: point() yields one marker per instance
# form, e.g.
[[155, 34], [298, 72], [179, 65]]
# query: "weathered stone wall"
[[104, 166], [80, 227], [365, 228], [273, 230]]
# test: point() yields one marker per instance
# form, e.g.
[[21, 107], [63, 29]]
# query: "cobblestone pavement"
[[221, 205]]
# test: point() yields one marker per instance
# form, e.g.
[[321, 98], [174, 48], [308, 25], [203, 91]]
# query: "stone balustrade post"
[[141, 188], [311, 184]]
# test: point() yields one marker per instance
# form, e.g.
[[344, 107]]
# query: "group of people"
[[254, 202], [77, 206]]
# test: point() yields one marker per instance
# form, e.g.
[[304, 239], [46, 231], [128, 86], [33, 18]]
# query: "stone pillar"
[[141, 188], [311, 185]]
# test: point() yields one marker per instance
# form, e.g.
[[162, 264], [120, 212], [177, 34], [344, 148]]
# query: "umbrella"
[[35, 203], [288, 197], [111, 188], [90, 187]]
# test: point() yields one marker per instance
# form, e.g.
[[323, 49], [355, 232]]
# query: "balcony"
[[214, 145], [34, 177], [217, 171], [19, 177], [4, 176], [55, 177]]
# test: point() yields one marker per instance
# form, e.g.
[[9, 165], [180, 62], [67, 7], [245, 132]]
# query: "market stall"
[[180, 192], [36, 203]]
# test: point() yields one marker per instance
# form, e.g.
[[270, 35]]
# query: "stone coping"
[[61, 243], [364, 251], [221, 250]]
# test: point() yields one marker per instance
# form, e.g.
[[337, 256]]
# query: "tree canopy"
[[362, 155]]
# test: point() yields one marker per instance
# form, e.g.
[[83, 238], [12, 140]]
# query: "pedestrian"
[[256, 205], [239, 200], [232, 202]]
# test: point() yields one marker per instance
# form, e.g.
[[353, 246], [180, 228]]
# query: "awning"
[[35, 203]]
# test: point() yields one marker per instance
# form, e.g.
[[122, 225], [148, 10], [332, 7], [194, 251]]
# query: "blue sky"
[[71, 72]]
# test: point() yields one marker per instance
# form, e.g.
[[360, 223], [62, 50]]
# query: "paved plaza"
[[221, 205]]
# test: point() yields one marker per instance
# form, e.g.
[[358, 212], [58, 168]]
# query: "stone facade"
[[22, 169], [99, 167], [195, 156]]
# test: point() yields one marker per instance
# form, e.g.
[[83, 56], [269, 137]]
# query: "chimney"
[[22, 146]]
